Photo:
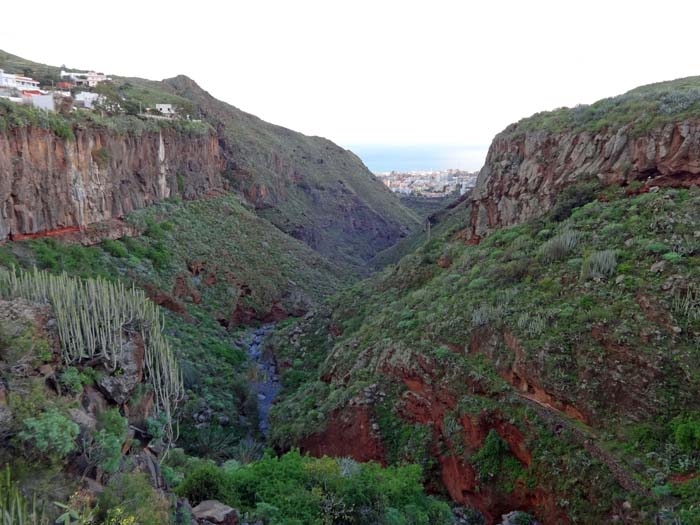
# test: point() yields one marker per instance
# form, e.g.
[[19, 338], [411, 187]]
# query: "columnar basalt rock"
[[48, 184], [525, 171]]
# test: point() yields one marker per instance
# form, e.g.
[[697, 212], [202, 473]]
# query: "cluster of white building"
[[26, 90], [89, 79], [429, 183], [10, 81]]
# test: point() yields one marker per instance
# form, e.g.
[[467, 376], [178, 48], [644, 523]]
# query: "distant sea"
[[381, 158]]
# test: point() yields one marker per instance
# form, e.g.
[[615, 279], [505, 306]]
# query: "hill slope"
[[308, 187], [537, 347], [574, 341]]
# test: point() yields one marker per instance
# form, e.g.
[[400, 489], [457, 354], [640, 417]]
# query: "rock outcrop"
[[525, 171], [50, 185], [211, 511]]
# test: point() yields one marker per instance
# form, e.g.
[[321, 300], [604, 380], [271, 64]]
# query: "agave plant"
[[15, 508]]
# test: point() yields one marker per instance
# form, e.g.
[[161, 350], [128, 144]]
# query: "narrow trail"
[[266, 384], [556, 420]]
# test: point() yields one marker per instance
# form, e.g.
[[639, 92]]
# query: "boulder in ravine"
[[212, 511]]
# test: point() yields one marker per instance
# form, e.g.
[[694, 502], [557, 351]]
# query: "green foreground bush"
[[295, 490]]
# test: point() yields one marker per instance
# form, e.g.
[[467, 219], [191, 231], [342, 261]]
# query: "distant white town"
[[434, 184]]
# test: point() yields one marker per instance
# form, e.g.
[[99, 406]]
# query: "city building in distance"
[[433, 184]]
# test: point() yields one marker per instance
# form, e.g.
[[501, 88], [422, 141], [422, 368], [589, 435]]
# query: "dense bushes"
[[296, 490], [205, 482], [574, 196], [51, 433], [686, 433], [494, 461], [542, 298], [642, 109], [130, 499]]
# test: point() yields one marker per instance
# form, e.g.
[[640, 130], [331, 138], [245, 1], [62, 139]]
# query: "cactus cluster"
[[93, 318]]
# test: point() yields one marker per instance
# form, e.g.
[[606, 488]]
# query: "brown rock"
[[52, 186], [46, 370], [119, 388], [348, 433], [215, 512], [525, 171]]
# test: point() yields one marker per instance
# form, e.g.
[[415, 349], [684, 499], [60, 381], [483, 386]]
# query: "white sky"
[[373, 72]]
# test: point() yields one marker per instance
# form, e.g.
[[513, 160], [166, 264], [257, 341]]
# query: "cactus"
[[92, 318]]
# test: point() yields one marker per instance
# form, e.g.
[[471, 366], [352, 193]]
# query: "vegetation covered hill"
[[552, 366], [533, 347], [215, 267], [307, 186], [644, 108]]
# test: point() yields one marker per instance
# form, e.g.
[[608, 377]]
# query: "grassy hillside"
[[645, 108], [307, 186], [448, 217], [583, 328], [81, 442], [212, 264]]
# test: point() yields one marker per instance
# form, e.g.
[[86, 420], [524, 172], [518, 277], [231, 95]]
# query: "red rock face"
[[523, 174], [348, 433], [50, 186]]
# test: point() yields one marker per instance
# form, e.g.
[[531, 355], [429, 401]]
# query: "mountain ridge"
[[307, 186]]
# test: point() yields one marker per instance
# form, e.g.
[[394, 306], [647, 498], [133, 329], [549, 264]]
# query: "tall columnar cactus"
[[93, 316]]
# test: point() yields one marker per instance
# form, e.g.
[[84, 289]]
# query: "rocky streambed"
[[266, 383]]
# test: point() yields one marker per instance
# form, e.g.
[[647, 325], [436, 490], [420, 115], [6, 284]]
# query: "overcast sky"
[[444, 74]]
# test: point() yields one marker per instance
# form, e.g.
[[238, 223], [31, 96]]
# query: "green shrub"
[[51, 433], [494, 461], [70, 380], [299, 489], [672, 257], [511, 272], [159, 254], [129, 498], [523, 518], [112, 422], [101, 156], [657, 247], [203, 483], [107, 452], [686, 433], [574, 196], [479, 282], [114, 248]]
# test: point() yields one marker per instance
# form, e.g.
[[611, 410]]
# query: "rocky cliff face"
[[524, 172], [50, 185]]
